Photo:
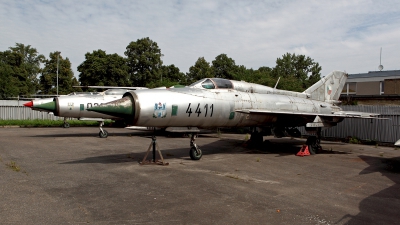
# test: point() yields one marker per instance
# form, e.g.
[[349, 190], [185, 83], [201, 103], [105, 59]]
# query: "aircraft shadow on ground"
[[94, 134], [220, 146], [381, 207], [124, 158], [123, 132]]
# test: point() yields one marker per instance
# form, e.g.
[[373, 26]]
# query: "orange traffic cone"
[[303, 151]]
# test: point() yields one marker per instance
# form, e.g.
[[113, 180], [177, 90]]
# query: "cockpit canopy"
[[213, 83], [83, 93]]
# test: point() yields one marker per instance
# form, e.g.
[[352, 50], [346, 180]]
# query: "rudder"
[[329, 87]]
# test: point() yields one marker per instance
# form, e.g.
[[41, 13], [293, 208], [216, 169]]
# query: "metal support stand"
[[155, 147]]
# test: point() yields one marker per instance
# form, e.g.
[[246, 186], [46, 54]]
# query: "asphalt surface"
[[71, 176]]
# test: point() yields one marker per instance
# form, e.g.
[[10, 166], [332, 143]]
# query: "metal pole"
[[153, 138], [57, 72]]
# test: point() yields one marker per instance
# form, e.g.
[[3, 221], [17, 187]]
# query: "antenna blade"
[[277, 82]]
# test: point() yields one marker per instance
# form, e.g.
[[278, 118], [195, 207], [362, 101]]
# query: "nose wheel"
[[66, 124], [102, 133], [195, 152]]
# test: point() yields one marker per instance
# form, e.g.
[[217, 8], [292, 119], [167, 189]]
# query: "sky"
[[339, 35]]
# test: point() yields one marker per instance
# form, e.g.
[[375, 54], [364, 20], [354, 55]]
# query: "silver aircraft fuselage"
[[219, 108], [36, 102], [75, 106], [216, 102]]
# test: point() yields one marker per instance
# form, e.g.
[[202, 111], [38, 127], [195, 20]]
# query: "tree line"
[[23, 71]]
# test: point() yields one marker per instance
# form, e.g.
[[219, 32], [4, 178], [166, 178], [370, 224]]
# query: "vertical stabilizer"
[[329, 87]]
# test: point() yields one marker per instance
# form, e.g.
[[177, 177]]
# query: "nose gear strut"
[[195, 152], [102, 133]]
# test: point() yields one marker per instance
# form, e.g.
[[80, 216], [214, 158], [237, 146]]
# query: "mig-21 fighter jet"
[[216, 103]]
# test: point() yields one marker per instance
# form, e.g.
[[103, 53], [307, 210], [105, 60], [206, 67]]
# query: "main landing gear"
[[314, 142], [102, 133], [256, 138], [195, 152]]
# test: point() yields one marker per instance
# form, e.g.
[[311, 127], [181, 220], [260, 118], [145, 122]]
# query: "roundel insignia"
[[329, 89]]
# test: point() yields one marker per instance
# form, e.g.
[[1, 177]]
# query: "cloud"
[[344, 35]]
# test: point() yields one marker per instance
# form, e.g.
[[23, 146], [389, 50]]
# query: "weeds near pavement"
[[13, 165], [232, 176], [219, 133], [354, 140]]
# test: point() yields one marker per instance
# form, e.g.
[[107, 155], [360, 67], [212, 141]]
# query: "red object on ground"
[[303, 151], [29, 104]]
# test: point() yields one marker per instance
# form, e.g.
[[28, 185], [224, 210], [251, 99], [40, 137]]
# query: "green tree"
[[263, 75], [173, 75], [144, 62], [168, 76], [201, 69], [101, 69], [8, 84], [32, 61], [242, 73], [20, 67], [297, 72], [66, 79], [224, 67], [10, 74]]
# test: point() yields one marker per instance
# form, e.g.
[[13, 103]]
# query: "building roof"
[[386, 73], [374, 76]]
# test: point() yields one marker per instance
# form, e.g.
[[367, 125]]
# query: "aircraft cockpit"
[[115, 91], [212, 83]]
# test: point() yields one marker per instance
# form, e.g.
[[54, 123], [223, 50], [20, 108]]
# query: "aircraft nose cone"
[[49, 106], [29, 104], [122, 108]]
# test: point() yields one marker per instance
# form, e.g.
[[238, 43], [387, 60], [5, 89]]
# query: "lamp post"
[[57, 71]]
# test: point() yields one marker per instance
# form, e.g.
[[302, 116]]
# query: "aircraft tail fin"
[[329, 87]]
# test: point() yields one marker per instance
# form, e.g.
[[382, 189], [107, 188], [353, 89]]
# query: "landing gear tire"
[[313, 144], [103, 134], [256, 139], [195, 154], [66, 125]]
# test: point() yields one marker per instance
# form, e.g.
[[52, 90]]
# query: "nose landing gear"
[[102, 133], [195, 152]]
